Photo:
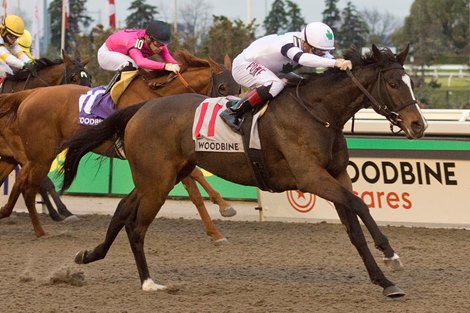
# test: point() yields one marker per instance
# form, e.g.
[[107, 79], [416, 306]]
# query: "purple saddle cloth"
[[95, 106]]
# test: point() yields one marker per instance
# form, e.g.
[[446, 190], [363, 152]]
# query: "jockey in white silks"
[[266, 61]]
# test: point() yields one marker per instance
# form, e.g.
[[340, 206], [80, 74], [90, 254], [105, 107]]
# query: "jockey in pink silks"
[[130, 48]]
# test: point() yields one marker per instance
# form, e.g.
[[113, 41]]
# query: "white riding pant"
[[113, 61], [251, 74]]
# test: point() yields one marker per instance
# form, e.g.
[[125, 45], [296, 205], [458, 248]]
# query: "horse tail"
[[87, 139], [10, 102]]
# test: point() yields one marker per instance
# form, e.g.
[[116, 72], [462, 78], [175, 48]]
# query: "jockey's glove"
[[343, 64], [171, 67], [28, 65]]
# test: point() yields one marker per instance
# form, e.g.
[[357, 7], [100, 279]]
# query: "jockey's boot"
[[233, 116], [117, 76]]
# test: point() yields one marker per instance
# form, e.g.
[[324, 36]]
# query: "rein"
[[184, 82], [300, 101], [178, 75]]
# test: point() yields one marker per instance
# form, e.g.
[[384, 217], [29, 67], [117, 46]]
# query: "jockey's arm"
[[143, 62], [166, 56], [27, 53], [7, 57], [306, 59]]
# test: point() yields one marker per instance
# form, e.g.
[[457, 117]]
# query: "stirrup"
[[232, 120]]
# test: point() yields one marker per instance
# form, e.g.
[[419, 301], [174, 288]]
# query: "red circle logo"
[[300, 201]]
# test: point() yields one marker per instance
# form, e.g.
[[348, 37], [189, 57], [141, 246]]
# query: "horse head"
[[391, 90], [75, 72], [223, 83]]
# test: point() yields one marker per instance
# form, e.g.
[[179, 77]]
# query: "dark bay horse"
[[45, 72], [303, 147], [44, 117]]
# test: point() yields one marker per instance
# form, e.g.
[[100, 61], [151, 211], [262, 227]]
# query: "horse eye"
[[393, 84]]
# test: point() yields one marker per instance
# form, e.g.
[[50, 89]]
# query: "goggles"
[[155, 41]]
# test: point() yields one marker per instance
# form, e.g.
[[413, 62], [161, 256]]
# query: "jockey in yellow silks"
[[11, 54]]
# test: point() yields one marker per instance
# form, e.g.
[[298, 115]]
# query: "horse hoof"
[[393, 292], [228, 212], [80, 257], [149, 285], [394, 263], [40, 233], [221, 242], [71, 219]]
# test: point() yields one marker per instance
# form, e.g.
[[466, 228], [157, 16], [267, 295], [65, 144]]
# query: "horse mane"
[[358, 60], [190, 60], [45, 62]]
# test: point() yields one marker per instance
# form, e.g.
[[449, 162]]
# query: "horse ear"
[[376, 53], [228, 62], [214, 66], [66, 58], [401, 57], [85, 62]]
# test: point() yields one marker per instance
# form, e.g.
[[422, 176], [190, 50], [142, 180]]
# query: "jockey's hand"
[[343, 64], [28, 66], [171, 67]]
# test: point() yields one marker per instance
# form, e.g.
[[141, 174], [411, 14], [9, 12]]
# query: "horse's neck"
[[139, 90], [52, 75], [339, 100]]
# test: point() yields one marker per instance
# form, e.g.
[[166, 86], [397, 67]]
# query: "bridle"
[[79, 70], [393, 116]]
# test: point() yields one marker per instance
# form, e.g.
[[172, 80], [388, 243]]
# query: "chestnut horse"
[[44, 117], [44, 73], [303, 147]]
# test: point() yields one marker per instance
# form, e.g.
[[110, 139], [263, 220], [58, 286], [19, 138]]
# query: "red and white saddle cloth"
[[211, 134]]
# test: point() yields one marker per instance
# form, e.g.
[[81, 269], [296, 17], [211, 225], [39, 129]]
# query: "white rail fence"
[[440, 70]]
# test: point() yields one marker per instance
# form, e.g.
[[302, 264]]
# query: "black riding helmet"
[[159, 30]]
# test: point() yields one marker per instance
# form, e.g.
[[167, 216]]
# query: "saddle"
[[118, 89]]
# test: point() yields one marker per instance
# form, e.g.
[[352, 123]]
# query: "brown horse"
[[46, 116], [303, 147], [44, 73]]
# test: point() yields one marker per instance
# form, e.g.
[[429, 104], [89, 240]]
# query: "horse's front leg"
[[6, 168], [54, 215], [26, 182], [225, 208], [354, 230], [47, 186], [196, 198], [391, 259]]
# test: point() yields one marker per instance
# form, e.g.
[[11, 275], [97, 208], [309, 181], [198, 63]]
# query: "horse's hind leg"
[[136, 228], [196, 198], [225, 208], [356, 235], [125, 208]]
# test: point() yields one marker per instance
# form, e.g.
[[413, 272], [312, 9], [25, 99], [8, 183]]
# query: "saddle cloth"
[[211, 134], [95, 106]]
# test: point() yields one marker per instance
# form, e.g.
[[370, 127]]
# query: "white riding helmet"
[[319, 35]]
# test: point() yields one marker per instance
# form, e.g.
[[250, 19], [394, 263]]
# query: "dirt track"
[[268, 267]]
